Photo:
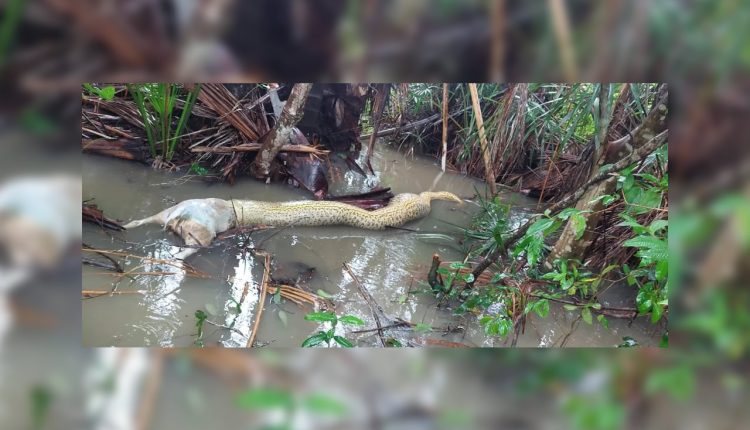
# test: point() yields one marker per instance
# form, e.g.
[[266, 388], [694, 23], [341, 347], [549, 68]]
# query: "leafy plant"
[[653, 266], [532, 245], [496, 325], [105, 93], [156, 103], [198, 169], [329, 335], [200, 320], [489, 227], [456, 271]]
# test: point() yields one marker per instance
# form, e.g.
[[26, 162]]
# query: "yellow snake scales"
[[198, 221]]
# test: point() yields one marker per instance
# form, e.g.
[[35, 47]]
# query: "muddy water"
[[391, 265]]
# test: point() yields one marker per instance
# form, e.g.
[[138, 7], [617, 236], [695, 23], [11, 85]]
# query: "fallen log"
[[125, 149]]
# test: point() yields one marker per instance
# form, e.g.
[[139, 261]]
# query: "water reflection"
[[244, 295], [162, 300]]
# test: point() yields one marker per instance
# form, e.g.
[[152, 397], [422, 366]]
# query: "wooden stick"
[[255, 147], [445, 126], [99, 293], [374, 307], [488, 172], [261, 303]]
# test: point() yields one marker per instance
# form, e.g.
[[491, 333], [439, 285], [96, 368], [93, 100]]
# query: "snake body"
[[198, 221]]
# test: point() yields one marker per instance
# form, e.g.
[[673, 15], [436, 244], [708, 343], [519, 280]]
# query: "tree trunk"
[[282, 131], [378, 105], [567, 246], [488, 171]]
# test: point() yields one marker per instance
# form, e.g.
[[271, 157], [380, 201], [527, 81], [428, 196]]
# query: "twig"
[[99, 293], [374, 307], [261, 303], [116, 265], [255, 147], [573, 326]]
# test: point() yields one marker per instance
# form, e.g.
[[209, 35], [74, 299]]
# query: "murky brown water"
[[389, 264]]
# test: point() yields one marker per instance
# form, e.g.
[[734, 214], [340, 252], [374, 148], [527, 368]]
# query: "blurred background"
[[48, 47]]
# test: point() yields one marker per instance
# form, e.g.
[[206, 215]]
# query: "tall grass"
[[156, 103]]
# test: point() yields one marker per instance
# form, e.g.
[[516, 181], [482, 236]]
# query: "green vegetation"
[[329, 335], [105, 93], [200, 320], [157, 105], [559, 133]]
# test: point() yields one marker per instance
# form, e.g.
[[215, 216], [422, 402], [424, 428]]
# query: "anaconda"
[[198, 221]]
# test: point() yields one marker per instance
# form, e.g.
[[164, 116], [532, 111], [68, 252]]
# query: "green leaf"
[[643, 302], [651, 247], [351, 319], [629, 221], [316, 339], [540, 226], [603, 321], [422, 327], [578, 223], [570, 307], [567, 213], [656, 313], [661, 271], [322, 404], [325, 294], [343, 342], [658, 225], [265, 399], [542, 308], [107, 93], [393, 343], [321, 317], [586, 315]]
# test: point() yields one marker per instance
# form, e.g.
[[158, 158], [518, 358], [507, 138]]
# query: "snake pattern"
[[198, 221]]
